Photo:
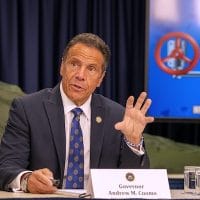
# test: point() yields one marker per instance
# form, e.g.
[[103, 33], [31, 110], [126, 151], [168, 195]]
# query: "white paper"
[[71, 192]]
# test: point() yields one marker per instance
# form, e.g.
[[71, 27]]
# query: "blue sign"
[[173, 67]]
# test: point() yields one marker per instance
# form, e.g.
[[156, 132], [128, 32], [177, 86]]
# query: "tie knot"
[[77, 111]]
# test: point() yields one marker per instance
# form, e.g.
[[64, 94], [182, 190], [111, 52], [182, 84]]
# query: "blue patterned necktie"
[[75, 170]]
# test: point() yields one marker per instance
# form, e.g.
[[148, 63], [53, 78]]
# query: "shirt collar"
[[69, 105]]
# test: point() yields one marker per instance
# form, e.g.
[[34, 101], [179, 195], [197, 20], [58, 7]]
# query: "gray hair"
[[91, 40]]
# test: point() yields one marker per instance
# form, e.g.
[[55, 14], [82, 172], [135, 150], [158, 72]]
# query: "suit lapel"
[[55, 113], [97, 131]]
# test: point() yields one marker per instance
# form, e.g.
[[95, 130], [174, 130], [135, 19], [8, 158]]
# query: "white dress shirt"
[[85, 123]]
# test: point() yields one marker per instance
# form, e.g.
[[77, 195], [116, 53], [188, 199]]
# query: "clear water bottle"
[[189, 179], [197, 180]]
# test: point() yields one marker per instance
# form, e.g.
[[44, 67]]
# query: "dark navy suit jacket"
[[35, 138]]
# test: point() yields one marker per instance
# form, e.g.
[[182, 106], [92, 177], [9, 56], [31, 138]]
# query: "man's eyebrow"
[[74, 59]]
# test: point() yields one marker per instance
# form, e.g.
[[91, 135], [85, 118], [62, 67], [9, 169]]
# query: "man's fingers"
[[118, 125], [43, 175], [140, 100], [129, 102], [149, 119], [139, 103], [47, 172], [40, 181], [146, 106]]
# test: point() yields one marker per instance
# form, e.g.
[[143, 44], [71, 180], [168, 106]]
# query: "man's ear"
[[61, 68], [101, 79]]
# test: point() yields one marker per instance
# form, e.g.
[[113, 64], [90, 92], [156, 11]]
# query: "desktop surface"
[[175, 194]]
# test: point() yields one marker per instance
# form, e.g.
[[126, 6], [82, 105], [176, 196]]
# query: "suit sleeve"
[[15, 145], [129, 159]]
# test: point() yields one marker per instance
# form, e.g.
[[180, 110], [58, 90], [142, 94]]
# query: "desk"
[[21, 195], [175, 194], [179, 194]]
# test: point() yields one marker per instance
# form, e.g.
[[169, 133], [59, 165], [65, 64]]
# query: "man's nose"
[[81, 73]]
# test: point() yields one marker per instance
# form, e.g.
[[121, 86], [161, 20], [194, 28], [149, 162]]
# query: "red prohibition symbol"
[[177, 53]]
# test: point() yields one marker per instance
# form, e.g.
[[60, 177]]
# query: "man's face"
[[82, 72]]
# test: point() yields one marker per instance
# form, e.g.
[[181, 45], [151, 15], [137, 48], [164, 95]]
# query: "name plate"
[[130, 183]]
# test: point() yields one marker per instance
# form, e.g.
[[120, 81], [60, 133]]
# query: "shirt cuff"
[[139, 150], [15, 184]]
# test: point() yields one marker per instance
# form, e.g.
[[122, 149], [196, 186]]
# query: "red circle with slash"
[[177, 53]]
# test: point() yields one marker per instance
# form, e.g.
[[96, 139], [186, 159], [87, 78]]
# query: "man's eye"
[[92, 68], [74, 64]]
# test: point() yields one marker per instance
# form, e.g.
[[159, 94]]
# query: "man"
[[35, 145]]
